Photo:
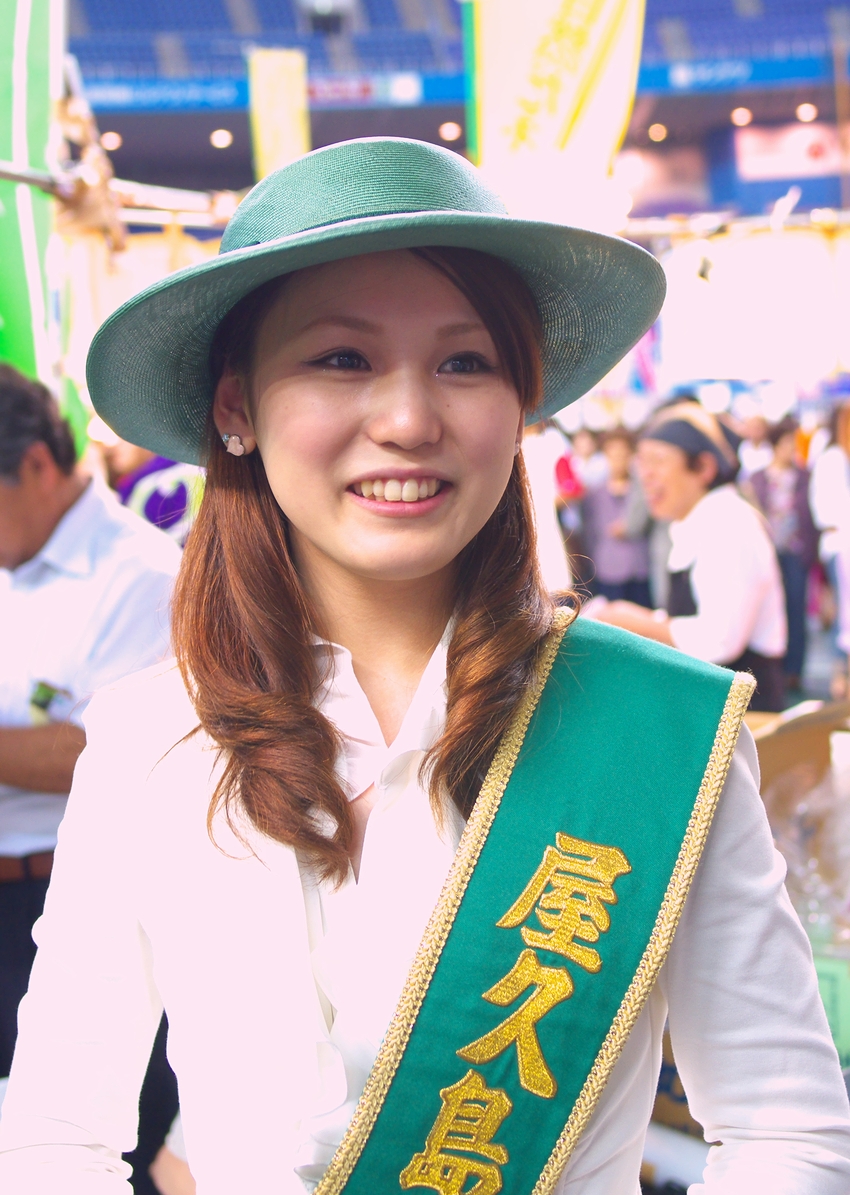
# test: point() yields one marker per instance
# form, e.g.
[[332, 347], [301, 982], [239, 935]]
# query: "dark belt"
[[25, 867]]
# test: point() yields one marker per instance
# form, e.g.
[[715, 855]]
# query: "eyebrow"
[[362, 325]]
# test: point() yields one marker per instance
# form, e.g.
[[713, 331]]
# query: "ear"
[[520, 431], [38, 467], [708, 467], [230, 410]]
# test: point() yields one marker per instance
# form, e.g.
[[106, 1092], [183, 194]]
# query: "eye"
[[466, 363], [347, 359]]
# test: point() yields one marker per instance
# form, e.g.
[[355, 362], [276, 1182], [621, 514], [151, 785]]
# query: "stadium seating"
[[129, 39]]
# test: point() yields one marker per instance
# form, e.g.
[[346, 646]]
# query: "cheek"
[[488, 433], [299, 443]]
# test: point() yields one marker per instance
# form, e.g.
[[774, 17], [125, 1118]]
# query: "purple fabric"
[[804, 542], [616, 560], [163, 510]]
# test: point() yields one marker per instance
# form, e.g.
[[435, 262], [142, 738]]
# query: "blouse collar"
[[365, 758]]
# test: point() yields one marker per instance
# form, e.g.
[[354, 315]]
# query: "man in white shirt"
[[725, 601], [84, 590]]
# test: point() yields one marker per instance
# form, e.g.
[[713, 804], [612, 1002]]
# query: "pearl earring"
[[233, 444], [517, 447]]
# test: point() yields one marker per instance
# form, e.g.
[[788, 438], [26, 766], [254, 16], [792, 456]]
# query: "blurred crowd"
[[630, 528]]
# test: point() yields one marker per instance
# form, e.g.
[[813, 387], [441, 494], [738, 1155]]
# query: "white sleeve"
[[729, 581], [828, 490], [88, 1021], [132, 631], [746, 1022]]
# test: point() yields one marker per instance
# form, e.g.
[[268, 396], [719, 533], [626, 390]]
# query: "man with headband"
[[725, 603]]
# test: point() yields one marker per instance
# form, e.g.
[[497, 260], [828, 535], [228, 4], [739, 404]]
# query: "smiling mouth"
[[393, 490]]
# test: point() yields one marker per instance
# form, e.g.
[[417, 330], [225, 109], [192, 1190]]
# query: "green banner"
[[31, 46]]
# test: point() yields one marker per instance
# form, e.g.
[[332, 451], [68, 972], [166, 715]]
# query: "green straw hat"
[[148, 367]]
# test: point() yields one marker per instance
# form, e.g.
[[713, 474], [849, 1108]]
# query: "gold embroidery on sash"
[[552, 985], [469, 1119], [574, 880], [580, 879]]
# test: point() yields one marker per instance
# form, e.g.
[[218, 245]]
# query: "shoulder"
[[830, 461], [742, 523], [129, 540], [146, 711], [626, 664]]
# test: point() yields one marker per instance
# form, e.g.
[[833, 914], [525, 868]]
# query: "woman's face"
[[618, 454], [672, 489], [386, 425], [785, 451]]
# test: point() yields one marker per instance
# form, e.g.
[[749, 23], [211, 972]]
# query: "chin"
[[396, 569]]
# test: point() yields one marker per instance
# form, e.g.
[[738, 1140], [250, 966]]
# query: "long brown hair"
[[243, 624]]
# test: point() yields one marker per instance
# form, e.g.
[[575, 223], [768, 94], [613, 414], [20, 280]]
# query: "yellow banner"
[[554, 82], [280, 122]]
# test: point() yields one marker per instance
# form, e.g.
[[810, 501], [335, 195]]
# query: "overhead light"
[[807, 113], [657, 132], [111, 141], [221, 138], [450, 130], [741, 117]]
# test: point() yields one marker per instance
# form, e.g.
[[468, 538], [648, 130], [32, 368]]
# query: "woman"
[[395, 949], [829, 495], [782, 493], [725, 601], [621, 562]]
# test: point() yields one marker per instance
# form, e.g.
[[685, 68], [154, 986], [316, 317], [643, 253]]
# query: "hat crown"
[[373, 176]]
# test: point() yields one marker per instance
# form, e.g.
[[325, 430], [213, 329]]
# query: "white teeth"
[[393, 490]]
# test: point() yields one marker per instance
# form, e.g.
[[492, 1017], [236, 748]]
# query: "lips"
[[391, 489]]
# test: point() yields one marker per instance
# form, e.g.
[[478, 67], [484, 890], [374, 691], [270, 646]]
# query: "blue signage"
[[385, 90], [399, 89], [731, 74], [160, 95]]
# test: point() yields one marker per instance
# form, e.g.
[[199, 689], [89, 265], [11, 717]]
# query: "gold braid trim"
[[663, 931], [430, 948]]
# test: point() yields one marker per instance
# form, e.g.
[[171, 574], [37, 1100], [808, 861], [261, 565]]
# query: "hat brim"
[[148, 367]]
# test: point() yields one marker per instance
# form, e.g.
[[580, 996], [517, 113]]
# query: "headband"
[[694, 430]]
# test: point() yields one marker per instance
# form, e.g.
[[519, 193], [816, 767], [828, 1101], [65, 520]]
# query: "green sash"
[[553, 924]]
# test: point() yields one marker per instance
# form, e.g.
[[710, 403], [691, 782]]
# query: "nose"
[[404, 412]]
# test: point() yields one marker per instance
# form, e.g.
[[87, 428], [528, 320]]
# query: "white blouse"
[[735, 580], [279, 991]]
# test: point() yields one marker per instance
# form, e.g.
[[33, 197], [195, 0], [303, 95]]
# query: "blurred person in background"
[[163, 492], [782, 493], [756, 450], [621, 561], [589, 463], [84, 591], [829, 500], [726, 603], [543, 446]]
